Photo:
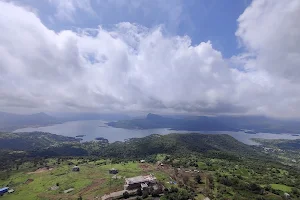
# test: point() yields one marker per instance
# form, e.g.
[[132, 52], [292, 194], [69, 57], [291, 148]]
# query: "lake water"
[[97, 128]]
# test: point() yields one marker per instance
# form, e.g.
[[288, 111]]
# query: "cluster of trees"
[[177, 194]]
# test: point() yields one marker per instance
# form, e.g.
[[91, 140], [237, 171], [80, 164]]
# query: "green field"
[[281, 187], [92, 181]]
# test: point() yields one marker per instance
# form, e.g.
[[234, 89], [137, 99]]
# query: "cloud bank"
[[130, 68]]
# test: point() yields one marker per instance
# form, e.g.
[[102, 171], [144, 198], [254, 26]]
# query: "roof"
[[69, 190], [4, 189], [140, 179], [75, 166]]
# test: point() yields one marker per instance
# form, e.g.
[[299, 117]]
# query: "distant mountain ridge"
[[212, 123], [11, 122]]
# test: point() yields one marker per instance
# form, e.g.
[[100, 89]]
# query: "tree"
[[173, 190], [139, 192], [126, 195], [155, 193], [198, 179], [268, 188], [145, 194]]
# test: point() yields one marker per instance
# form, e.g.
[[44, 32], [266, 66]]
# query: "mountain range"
[[250, 124], [10, 122]]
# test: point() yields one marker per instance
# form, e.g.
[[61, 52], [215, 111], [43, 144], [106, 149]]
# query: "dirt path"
[[146, 167], [40, 170], [94, 186]]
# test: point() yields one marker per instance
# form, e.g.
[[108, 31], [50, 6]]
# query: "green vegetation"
[[194, 166], [31, 141], [281, 187], [93, 179]]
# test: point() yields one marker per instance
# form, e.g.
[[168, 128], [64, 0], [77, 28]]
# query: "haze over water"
[[97, 128]]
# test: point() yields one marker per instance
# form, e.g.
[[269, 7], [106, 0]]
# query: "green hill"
[[28, 141]]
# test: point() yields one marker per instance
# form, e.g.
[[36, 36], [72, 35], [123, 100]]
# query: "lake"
[[97, 128]]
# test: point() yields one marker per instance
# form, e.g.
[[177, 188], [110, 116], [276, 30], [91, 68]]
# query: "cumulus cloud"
[[134, 68], [129, 67], [270, 30], [270, 33]]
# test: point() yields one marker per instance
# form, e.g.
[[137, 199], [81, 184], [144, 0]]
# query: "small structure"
[[139, 182], [144, 186], [286, 195], [142, 161], [113, 171], [3, 190], [11, 191], [75, 169], [68, 190]]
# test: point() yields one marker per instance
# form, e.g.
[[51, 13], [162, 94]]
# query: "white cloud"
[[127, 68], [270, 30], [134, 68], [66, 9]]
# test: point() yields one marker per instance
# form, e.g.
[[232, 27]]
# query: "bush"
[[145, 194], [155, 193], [126, 195], [139, 192], [173, 190], [198, 179]]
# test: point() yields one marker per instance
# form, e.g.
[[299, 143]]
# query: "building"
[[139, 182], [142, 161], [11, 191], [75, 169], [3, 190], [113, 171]]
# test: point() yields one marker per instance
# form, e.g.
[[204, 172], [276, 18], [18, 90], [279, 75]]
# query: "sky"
[[204, 57]]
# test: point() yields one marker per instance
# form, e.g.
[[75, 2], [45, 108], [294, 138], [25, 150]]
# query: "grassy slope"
[[90, 174], [281, 187], [31, 140]]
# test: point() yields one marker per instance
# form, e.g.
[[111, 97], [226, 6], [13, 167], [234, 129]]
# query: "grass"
[[199, 197], [281, 187], [92, 180]]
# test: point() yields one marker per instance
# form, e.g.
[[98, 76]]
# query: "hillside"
[[194, 166], [47, 144], [180, 144], [31, 141], [211, 123], [10, 122]]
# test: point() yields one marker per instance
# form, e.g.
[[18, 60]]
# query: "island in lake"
[[101, 139], [250, 132], [80, 135]]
